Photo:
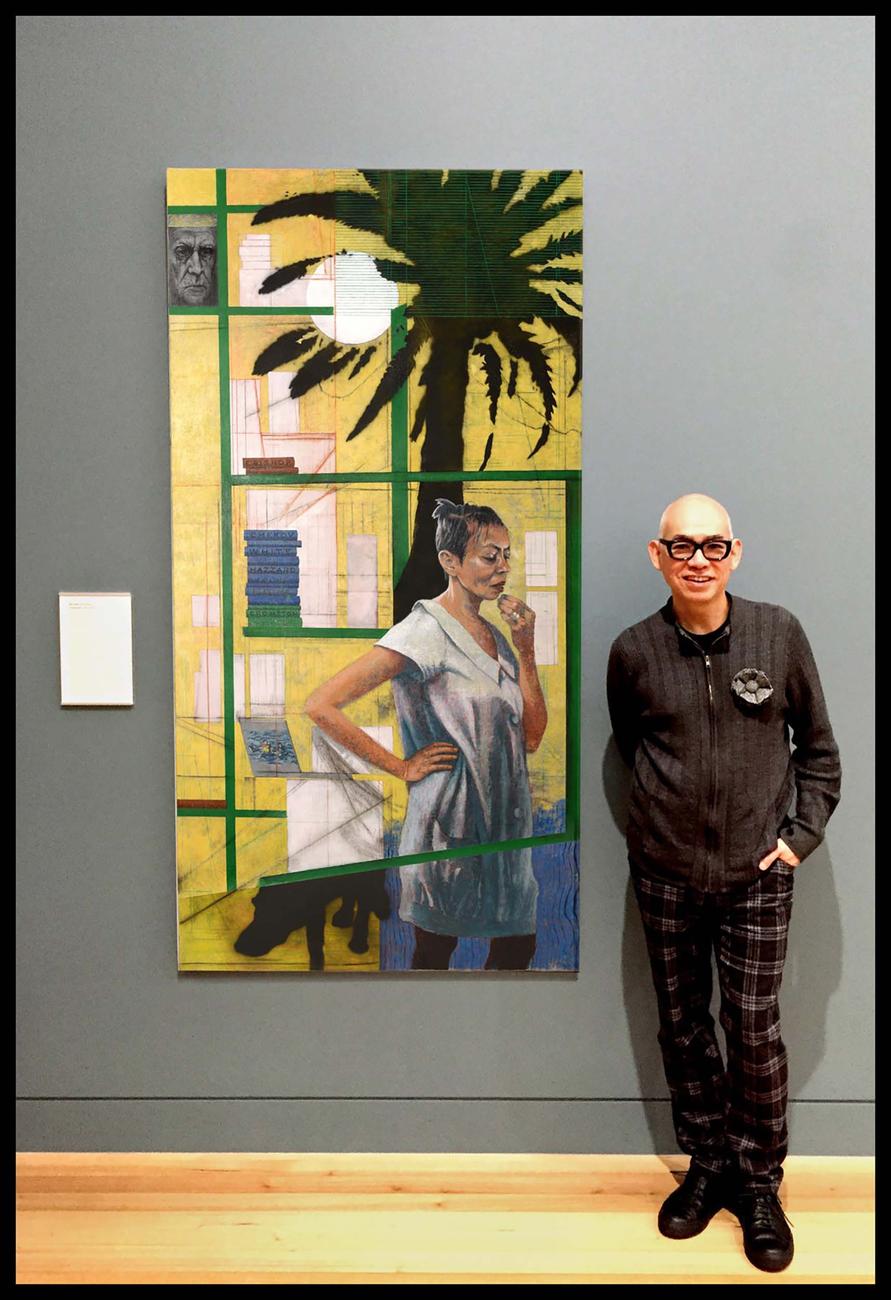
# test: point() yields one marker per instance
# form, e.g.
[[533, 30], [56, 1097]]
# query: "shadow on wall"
[[812, 972]]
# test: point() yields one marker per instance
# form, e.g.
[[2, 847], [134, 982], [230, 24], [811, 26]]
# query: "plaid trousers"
[[733, 1117]]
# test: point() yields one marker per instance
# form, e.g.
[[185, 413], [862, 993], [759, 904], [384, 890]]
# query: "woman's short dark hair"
[[456, 524]]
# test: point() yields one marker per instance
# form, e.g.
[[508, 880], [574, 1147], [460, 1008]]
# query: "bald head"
[[697, 580], [695, 515]]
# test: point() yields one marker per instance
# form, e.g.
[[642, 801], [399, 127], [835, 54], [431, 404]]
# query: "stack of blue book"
[[273, 585]]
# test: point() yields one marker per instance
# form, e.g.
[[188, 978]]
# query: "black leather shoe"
[[693, 1205], [766, 1235]]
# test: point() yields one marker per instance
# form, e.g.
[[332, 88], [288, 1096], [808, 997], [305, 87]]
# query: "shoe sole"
[[769, 1266], [683, 1231]]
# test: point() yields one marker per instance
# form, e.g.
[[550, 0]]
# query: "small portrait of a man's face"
[[192, 260]]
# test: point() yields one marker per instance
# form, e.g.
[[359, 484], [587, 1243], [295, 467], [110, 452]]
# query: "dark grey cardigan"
[[715, 783]]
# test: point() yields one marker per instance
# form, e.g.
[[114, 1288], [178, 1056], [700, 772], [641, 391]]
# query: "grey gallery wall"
[[728, 242]]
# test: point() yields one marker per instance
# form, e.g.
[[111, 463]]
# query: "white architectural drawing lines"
[[191, 725], [293, 876]]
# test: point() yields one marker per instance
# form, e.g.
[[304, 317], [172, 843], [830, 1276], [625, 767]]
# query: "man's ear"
[[736, 551], [655, 554]]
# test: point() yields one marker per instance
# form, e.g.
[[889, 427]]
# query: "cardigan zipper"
[[710, 835]]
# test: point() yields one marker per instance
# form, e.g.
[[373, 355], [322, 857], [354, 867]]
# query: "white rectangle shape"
[[96, 647], [545, 605], [238, 663], [541, 559], [361, 551], [208, 687], [205, 611], [361, 609], [244, 408], [332, 823], [284, 411], [267, 685]]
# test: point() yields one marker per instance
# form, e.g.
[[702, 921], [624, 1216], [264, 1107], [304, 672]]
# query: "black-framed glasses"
[[684, 548]]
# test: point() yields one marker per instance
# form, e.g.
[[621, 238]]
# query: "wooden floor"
[[173, 1218]]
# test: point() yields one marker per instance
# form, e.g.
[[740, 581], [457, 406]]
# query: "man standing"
[[704, 696]]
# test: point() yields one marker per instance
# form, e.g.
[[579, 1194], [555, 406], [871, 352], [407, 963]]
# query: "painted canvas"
[[375, 406]]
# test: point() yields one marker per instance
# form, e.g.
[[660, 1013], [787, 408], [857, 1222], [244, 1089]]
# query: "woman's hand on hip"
[[438, 757]]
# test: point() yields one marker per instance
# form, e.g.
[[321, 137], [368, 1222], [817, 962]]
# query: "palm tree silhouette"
[[490, 252]]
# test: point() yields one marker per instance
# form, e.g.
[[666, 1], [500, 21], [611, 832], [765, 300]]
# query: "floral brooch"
[[751, 685]]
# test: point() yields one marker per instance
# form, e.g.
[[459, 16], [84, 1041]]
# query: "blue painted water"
[[556, 868]]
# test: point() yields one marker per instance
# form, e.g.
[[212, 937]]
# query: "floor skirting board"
[[828, 1128]]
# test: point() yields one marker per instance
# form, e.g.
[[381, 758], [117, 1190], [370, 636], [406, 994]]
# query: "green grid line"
[[281, 311], [215, 208], [227, 613], [399, 451], [438, 855], [573, 656], [405, 476], [224, 812], [346, 633], [398, 475], [249, 311]]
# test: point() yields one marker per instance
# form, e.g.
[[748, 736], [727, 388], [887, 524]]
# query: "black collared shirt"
[[708, 640]]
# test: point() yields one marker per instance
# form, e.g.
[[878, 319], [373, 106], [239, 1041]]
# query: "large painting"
[[375, 406]]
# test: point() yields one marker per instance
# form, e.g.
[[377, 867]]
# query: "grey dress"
[[454, 691]]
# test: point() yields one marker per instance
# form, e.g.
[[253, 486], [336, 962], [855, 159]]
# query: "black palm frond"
[[420, 417], [298, 205], [565, 300], [287, 347], [488, 452], [555, 202], [543, 437], [492, 370], [568, 274], [512, 379], [570, 242], [540, 190], [562, 298], [285, 274], [508, 183], [373, 177], [362, 362], [401, 272], [570, 329], [360, 211], [395, 375], [524, 348], [556, 207], [325, 363]]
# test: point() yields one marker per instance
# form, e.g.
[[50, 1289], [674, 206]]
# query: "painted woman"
[[470, 707]]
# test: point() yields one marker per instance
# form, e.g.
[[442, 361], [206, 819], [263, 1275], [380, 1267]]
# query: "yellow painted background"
[[334, 406]]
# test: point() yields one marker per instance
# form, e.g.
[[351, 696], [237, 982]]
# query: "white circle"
[[362, 299]]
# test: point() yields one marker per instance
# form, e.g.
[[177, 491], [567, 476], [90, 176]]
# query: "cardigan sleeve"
[[815, 755], [623, 708]]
